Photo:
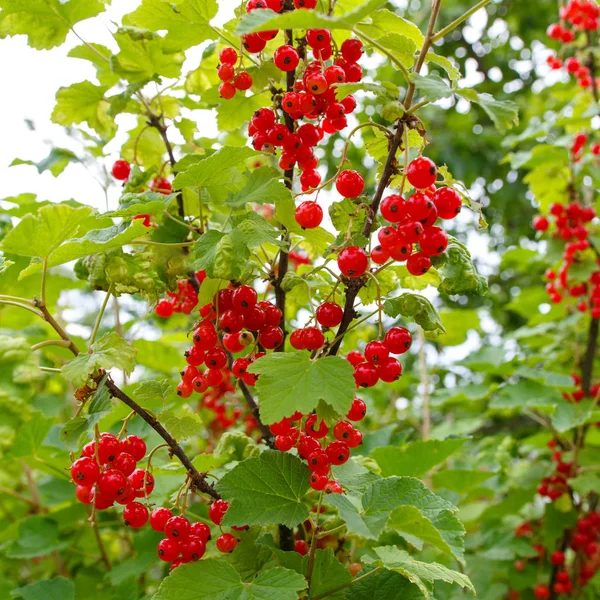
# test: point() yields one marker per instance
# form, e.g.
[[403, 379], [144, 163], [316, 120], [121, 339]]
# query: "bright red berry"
[[350, 184], [168, 550], [301, 547], [159, 518], [329, 314], [135, 446], [201, 531], [228, 56], [376, 352], [164, 309], [398, 340], [112, 483], [319, 433], [351, 49], [365, 375], [121, 170], [389, 370], [85, 471], [447, 202], [394, 209], [433, 241], [318, 481], [357, 411], [421, 173], [177, 528], [270, 337], [226, 542], [135, 515], [192, 549], [142, 482], [124, 463], [286, 58], [217, 511], [353, 261], [338, 452], [418, 263], [309, 214]]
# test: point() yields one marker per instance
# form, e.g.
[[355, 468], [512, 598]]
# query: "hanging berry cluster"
[[107, 473], [578, 394], [571, 223], [319, 445], [576, 16]]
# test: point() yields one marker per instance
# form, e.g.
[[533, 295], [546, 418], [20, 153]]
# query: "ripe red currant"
[[318, 461], [318, 481], [421, 172], [168, 550], [351, 49], [205, 337], [112, 483], [398, 340], [338, 452], [243, 81], [121, 170], [135, 446], [300, 546], [350, 184], [418, 263], [447, 202], [394, 209], [389, 370], [227, 90], [319, 433], [85, 471], [231, 321], [159, 518], [135, 515], [376, 352], [177, 528], [318, 38], [309, 214], [164, 309], [343, 431], [201, 531], [217, 511], [365, 375], [353, 261], [286, 58], [270, 337], [192, 549], [124, 463], [142, 482], [226, 542], [329, 314], [357, 411], [228, 56]]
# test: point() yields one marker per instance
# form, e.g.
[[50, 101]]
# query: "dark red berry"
[[226, 542]]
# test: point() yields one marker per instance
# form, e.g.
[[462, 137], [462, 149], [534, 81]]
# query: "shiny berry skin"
[[189, 373], [318, 461], [316, 83], [410, 231], [226, 72], [286, 58], [226, 542], [418, 206], [85, 471], [541, 223], [253, 43], [433, 241], [310, 178], [263, 119], [557, 558], [108, 448], [161, 185], [233, 342], [201, 531], [318, 481], [401, 252], [350, 184], [355, 358], [365, 375], [135, 515], [307, 445], [194, 356], [244, 297], [297, 339], [284, 442], [192, 549], [319, 433], [228, 56], [333, 487], [177, 528], [338, 452], [200, 384], [379, 256], [357, 411], [164, 309], [85, 495], [309, 215], [124, 463], [318, 38], [329, 314], [227, 90], [388, 237], [184, 390], [216, 358], [270, 337], [541, 592], [205, 337], [418, 263], [351, 50], [335, 74], [89, 449], [301, 547], [254, 318], [398, 340], [355, 439], [394, 209], [217, 511], [447, 202], [112, 483], [135, 446], [243, 81], [239, 366], [389, 370], [214, 377], [121, 170], [313, 338], [353, 261], [421, 173], [168, 550], [349, 104], [231, 321], [139, 479], [376, 352], [343, 430], [159, 518]]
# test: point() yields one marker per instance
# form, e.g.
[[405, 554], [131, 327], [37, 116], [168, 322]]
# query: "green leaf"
[[183, 425], [149, 391], [231, 115], [97, 240], [216, 169], [84, 102], [384, 21], [433, 87], [380, 90], [5, 264], [56, 162], [266, 490], [38, 536], [401, 47], [150, 203], [328, 574], [40, 234], [31, 435], [384, 585], [110, 351], [415, 459], [291, 381], [94, 53], [265, 20], [219, 580], [446, 64], [460, 480], [459, 274], [45, 22], [504, 113], [187, 23], [263, 186], [422, 574], [47, 589], [417, 307]]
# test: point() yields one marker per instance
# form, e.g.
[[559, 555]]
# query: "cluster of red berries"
[[184, 301], [578, 394], [108, 474], [583, 563], [226, 542], [233, 78], [556, 485], [121, 170], [314, 446], [579, 144], [571, 224], [582, 15], [412, 222], [232, 311]]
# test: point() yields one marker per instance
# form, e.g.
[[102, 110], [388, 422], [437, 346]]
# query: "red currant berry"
[[313, 338], [309, 179], [272, 313], [159, 518], [231, 321], [216, 358], [300, 546], [270, 337], [112, 483], [355, 358], [318, 481], [177, 528], [541, 223], [217, 511], [343, 431], [192, 549], [286, 58], [365, 375], [201, 531], [409, 232], [135, 446], [319, 433], [142, 482], [284, 442], [226, 72], [184, 390], [121, 170], [228, 56], [309, 214], [333, 487], [318, 461], [164, 309], [357, 411], [205, 337], [388, 237], [253, 43], [297, 339], [85, 495], [307, 445], [124, 463], [226, 542], [433, 241], [227, 90], [418, 206], [135, 515], [379, 256], [376, 353], [394, 209], [263, 119], [85, 471], [398, 340], [338, 452], [243, 81], [353, 261], [194, 356], [418, 263], [329, 314], [351, 50], [108, 448], [389, 370], [316, 83], [318, 38], [447, 202], [214, 377], [350, 184], [168, 550], [421, 173], [244, 297], [355, 439]]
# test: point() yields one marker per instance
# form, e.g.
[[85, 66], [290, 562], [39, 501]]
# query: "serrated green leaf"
[[182, 425], [31, 435], [417, 307], [266, 490], [110, 351], [150, 203], [187, 23], [504, 113], [48, 589], [45, 22], [459, 274], [460, 480], [446, 64], [401, 47], [432, 87], [263, 186], [38, 536], [342, 90], [56, 162], [291, 381], [148, 391], [94, 53], [384, 585], [384, 21], [422, 574], [416, 458]]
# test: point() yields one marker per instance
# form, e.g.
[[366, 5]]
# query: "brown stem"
[[266, 434], [100, 543], [198, 480], [587, 367]]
